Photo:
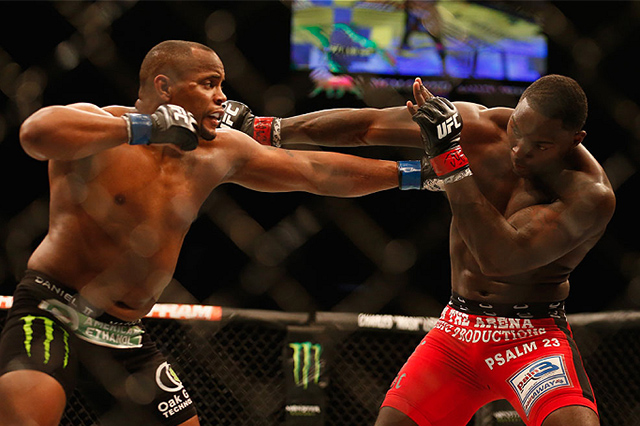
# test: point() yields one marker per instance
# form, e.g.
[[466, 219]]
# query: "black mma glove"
[[265, 130], [418, 175], [440, 127], [168, 124]]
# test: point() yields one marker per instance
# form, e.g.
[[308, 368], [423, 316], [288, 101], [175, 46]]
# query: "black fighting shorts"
[[115, 365]]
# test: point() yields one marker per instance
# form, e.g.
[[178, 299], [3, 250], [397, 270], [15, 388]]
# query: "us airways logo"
[[538, 378], [445, 128]]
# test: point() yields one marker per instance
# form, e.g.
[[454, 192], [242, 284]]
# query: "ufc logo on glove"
[[179, 114], [445, 127]]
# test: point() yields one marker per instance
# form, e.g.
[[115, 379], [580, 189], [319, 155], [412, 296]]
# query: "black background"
[[597, 47]]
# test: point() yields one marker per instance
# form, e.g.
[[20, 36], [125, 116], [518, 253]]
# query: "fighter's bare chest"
[[141, 188], [505, 190]]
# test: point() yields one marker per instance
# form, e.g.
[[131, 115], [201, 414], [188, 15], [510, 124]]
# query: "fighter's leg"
[[429, 388], [30, 398], [135, 386], [193, 421], [389, 416], [574, 415], [37, 367], [548, 386]]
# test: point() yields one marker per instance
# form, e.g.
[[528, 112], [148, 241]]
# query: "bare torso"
[[118, 220], [484, 141], [119, 213]]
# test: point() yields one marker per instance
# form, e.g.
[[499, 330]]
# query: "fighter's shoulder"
[[119, 110], [113, 110], [480, 114], [482, 125], [589, 187], [233, 141]]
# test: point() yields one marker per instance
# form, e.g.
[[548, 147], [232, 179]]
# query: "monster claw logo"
[[306, 363], [49, 326]]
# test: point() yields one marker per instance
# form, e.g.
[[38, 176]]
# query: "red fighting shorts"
[[469, 360]]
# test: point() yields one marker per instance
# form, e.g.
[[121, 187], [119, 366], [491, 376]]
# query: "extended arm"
[[354, 126], [324, 173], [330, 127]]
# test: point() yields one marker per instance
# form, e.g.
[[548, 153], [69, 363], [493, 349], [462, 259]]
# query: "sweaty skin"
[[119, 213], [537, 203]]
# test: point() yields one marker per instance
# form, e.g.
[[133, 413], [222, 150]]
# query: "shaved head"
[[557, 96], [171, 58]]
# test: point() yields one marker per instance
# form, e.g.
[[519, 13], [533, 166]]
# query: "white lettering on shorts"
[[68, 298], [470, 335], [501, 358], [538, 378], [168, 381], [477, 329], [175, 404], [117, 336]]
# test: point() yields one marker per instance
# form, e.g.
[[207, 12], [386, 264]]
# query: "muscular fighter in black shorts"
[[125, 185]]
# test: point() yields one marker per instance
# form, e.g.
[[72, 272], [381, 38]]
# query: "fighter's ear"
[[578, 137], [162, 85]]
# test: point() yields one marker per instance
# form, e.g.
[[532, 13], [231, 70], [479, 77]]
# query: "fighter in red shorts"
[[528, 202], [478, 353], [505, 336]]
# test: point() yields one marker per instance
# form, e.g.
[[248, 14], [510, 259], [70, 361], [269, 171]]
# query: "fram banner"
[[183, 311], [162, 310]]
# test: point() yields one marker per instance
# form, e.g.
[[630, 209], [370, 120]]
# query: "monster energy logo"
[[306, 356], [49, 325]]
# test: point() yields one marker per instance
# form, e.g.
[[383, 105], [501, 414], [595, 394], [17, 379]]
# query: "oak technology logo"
[[306, 363], [167, 379]]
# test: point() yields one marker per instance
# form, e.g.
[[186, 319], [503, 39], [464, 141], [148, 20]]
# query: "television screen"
[[456, 39]]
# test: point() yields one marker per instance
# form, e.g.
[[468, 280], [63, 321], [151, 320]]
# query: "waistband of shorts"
[[527, 310], [48, 287]]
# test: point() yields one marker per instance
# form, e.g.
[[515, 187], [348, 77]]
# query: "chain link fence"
[[239, 370]]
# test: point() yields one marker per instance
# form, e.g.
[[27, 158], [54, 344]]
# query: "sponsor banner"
[[305, 362], [184, 311], [6, 302], [162, 310], [397, 322]]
